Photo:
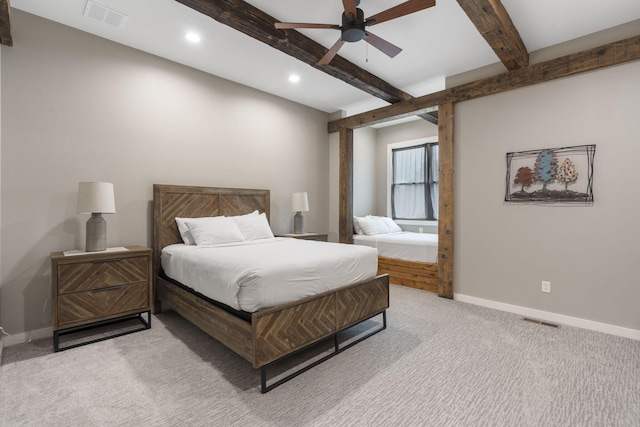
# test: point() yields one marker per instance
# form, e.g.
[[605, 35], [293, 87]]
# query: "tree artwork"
[[545, 168], [544, 175], [524, 177], [567, 173]]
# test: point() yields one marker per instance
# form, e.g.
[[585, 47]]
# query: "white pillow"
[[356, 225], [372, 225], [187, 238], [254, 213], [391, 225], [213, 231], [254, 227]]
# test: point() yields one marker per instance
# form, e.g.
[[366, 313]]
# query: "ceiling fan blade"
[[331, 53], [382, 45], [402, 9], [350, 7], [290, 25]]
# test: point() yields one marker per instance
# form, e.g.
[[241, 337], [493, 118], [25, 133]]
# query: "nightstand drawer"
[[100, 303], [98, 274]]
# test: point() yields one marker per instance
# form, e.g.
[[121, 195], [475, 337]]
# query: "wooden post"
[[346, 186], [445, 201]]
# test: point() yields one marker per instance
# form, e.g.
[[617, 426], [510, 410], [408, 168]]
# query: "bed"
[[410, 259], [267, 335]]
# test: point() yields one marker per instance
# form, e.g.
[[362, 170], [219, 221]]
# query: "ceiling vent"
[[104, 14]]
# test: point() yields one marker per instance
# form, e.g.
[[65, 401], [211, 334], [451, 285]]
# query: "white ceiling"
[[437, 42]]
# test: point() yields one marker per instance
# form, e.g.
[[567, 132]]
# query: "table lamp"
[[96, 198], [299, 204]]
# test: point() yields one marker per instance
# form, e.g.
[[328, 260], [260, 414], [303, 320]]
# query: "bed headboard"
[[170, 201]]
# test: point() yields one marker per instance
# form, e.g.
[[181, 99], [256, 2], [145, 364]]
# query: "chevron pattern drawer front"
[[97, 286], [92, 305], [99, 274]]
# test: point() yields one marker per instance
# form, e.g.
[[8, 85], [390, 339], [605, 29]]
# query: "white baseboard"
[[551, 317], [28, 336]]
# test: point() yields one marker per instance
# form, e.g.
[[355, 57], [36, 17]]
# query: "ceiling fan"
[[354, 26]]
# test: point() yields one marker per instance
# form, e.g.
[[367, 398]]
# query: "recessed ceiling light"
[[192, 37], [294, 78]]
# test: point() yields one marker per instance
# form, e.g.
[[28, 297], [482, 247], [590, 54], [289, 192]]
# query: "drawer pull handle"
[[112, 288], [106, 260]]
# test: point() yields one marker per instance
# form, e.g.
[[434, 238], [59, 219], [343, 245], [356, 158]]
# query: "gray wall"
[[365, 171], [80, 108], [589, 254]]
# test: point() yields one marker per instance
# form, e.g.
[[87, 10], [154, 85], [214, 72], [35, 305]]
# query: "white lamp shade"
[[299, 202], [96, 197]]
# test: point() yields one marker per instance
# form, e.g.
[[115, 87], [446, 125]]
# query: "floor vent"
[[540, 322], [104, 14]]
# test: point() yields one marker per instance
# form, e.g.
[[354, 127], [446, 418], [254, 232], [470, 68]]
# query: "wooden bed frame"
[[272, 333], [414, 274]]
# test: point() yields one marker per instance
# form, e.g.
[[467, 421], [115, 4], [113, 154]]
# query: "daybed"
[[268, 334], [410, 259]]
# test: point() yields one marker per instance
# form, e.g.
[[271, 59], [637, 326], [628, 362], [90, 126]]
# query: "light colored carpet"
[[439, 363]]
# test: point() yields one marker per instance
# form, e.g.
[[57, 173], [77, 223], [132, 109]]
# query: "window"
[[414, 182]]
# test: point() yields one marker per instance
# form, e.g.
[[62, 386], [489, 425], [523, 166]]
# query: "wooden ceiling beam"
[[587, 60], [253, 22], [494, 23], [431, 117], [5, 23]]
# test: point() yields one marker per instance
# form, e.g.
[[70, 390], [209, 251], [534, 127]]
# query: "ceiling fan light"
[[353, 29]]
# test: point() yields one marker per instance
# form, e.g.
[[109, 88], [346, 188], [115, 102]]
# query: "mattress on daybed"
[[420, 247], [264, 273]]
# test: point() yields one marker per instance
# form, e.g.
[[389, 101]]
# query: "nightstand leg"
[[146, 324]]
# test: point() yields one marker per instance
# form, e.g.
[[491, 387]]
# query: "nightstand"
[[305, 236], [90, 289]]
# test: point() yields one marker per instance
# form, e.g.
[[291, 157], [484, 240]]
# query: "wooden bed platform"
[[420, 275], [272, 333]]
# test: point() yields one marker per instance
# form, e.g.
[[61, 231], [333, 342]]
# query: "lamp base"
[[298, 223], [96, 233]]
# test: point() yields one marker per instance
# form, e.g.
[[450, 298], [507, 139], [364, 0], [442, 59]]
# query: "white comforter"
[[265, 273], [422, 247]]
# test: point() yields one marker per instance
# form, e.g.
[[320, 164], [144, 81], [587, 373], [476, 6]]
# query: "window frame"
[[400, 145]]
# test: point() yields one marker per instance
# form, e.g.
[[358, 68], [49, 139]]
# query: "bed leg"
[[263, 380]]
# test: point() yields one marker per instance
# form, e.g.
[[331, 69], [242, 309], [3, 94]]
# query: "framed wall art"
[[551, 175]]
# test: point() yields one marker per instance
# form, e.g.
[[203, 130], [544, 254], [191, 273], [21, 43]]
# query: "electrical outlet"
[[546, 287], [421, 230]]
